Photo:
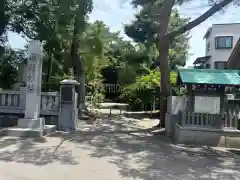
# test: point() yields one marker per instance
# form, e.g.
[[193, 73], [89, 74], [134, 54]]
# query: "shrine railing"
[[109, 88], [10, 99], [199, 119], [49, 103], [112, 88], [228, 119], [14, 102]]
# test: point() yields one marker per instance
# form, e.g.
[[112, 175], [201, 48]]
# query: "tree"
[[9, 63], [145, 88], [72, 46], [83, 8], [145, 28], [96, 42], [165, 36]]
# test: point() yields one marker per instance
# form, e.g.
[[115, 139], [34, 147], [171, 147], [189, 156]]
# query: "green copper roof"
[[209, 76]]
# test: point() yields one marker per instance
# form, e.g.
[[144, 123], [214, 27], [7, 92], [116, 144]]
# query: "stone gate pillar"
[[34, 80], [32, 125], [33, 88], [68, 105]]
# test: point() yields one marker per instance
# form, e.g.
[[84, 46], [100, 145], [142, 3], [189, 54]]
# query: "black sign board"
[[67, 93]]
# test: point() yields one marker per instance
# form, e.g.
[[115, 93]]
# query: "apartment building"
[[220, 41]]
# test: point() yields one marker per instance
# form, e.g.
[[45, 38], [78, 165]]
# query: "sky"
[[115, 14]]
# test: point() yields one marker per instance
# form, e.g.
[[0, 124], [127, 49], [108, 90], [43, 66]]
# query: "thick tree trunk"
[[78, 67], [80, 76], [165, 79], [163, 48]]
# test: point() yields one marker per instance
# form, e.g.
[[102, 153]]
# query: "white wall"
[[221, 30]]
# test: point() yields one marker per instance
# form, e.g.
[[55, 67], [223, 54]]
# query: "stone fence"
[[11, 102], [12, 106]]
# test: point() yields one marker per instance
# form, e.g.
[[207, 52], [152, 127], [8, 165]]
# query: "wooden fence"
[[109, 88], [228, 119]]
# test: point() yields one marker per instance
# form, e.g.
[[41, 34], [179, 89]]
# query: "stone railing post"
[[68, 113], [22, 98]]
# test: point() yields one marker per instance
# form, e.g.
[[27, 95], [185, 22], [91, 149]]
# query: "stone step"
[[28, 132], [37, 123]]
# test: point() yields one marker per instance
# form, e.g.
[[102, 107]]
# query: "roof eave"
[[193, 83], [207, 33], [204, 57]]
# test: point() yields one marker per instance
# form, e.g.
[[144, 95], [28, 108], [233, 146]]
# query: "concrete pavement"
[[113, 149]]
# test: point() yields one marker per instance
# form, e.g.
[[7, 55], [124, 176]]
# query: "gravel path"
[[112, 149]]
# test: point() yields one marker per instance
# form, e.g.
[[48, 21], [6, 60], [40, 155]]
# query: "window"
[[208, 46], [220, 65], [224, 42]]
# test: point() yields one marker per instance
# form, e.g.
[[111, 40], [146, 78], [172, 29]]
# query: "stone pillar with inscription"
[[34, 80], [33, 88], [32, 125]]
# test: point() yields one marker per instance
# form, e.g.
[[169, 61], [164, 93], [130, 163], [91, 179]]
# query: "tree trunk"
[[77, 65], [81, 88], [163, 48], [165, 79], [49, 71], [82, 91]]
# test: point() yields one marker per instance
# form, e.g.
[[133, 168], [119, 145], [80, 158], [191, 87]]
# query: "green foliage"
[[95, 42], [9, 63], [142, 91], [62, 25], [97, 98], [179, 91], [144, 29], [145, 88], [4, 17]]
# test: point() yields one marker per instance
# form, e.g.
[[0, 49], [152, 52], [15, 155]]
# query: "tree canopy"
[[90, 52], [144, 30]]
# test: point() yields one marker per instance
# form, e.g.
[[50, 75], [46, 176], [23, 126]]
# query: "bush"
[[146, 89], [98, 98]]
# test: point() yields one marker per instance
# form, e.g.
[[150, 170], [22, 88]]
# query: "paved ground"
[[112, 149]]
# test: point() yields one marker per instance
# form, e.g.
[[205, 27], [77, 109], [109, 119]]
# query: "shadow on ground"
[[148, 154], [22, 150], [139, 153]]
